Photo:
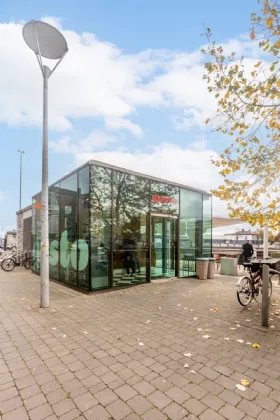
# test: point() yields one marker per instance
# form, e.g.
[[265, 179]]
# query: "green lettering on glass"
[[64, 250], [54, 252], [66, 256]]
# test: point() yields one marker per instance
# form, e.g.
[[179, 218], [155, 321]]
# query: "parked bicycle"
[[249, 287], [15, 260]]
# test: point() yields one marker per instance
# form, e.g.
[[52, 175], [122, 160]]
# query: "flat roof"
[[128, 171]]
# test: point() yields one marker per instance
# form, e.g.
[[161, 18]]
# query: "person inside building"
[[247, 251]]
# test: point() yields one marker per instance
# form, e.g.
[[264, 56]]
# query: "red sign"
[[162, 199]]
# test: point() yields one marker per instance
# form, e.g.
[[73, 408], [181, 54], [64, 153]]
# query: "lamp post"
[[20, 177], [46, 42]]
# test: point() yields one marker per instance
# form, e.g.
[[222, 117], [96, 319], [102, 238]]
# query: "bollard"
[[265, 299]]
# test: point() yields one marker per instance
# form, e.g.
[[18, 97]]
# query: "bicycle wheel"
[[8, 264], [244, 291], [27, 263]]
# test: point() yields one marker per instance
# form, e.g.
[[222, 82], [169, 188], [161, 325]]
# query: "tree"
[[260, 234], [248, 111]]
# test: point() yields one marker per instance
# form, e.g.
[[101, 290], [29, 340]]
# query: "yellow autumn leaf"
[[256, 346], [252, 34], [269, 22], [244, 382], [277, 44], [216, 309], [278, 83]]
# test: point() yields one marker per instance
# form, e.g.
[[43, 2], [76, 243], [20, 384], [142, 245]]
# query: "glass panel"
[[36, 233], [164, 247], [165, 198], [68, 230], [83, 242], [207, 226], [190, 231], [100, 226], [130, 236], [54, 201]]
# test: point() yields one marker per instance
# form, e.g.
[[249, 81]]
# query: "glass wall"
[[190, 231], [207, 226], [100, 226], [110, 228], [36, 233], [54, 206], [131, 198]]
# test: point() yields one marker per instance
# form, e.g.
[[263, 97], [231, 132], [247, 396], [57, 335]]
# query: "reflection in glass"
[[84, 238], [36, 233], [100, 226], [190, 231], [54, 204], [68, 230], [131, 196], [207, 226]]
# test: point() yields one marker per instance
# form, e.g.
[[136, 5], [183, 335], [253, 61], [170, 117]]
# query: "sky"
[[129, 92]]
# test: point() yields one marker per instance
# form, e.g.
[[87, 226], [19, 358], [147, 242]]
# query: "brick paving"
[[168, 350]]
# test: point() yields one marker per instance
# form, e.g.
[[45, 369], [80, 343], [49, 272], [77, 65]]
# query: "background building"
[[111, 227], [24, 229]]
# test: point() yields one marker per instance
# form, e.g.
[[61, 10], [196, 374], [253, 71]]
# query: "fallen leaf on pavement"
[[186, 365], [187, 354], [206, 336], [226, 338], [272, 326], [216, 309], [240, 341], [192, 371], [195, 318], [63, 336], [248, 342], [248, 320], [240, 387], [148, 321], [256, 346], [85, 332], [244, 382], [54, 328], [22, 298], [233, 328], [199, 329], [179, 304], [238, 325], [141, 344], [206, 330], [159, 307]]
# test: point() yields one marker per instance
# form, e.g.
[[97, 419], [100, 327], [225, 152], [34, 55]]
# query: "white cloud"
[[97, 79], [123, 123], [96, 140]]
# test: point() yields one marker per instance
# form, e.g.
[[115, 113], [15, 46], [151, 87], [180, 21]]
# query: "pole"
[[20, 177], [265, 241], [265, 299], [44, 271]]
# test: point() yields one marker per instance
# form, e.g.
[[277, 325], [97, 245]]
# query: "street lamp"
[[46, 42], [20, 177]]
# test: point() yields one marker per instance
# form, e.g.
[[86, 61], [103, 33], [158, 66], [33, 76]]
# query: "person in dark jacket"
[[247, 251]]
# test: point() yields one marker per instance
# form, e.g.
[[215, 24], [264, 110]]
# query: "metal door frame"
[[177, 233]]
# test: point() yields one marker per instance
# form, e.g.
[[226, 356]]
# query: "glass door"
[[164, 233]]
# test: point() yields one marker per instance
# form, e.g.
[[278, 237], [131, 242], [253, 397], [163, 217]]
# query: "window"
[[164, 198], [100, 226], [36, 232], [131, 198], [68, 230], [207, 226], [84, 220], [190, 231], [54, 237]]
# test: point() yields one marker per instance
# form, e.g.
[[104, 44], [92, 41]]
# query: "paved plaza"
[[167, 350]]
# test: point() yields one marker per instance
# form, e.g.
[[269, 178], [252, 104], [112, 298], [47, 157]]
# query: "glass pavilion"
[[111, 227]]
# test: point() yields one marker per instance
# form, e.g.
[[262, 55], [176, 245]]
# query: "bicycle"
[[250, 286], [14, 260]]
